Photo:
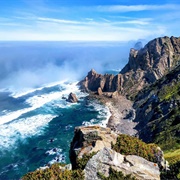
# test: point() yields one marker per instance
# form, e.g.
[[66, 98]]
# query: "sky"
[[88, 20]]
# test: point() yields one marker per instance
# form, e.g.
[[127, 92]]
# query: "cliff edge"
[[144, 67]]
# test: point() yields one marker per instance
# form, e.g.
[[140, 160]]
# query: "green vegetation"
[[170, 91], [81, 162], [128, 145], [55, 172], [166, 130], [115, 175], [172, 156], [173, 173]]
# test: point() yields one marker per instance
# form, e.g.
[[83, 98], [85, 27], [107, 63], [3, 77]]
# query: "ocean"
[[36, 122]]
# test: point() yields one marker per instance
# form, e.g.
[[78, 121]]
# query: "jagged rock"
[[145, 66], [157, 111], [131, 164], [99, 91], [72, 98], [90, 139], [107, 82]]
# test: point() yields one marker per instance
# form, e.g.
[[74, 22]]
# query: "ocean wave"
[[38, 101], [26, 91], [23, 128], [102, 117]]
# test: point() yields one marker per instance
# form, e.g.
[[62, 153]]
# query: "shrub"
[[81, 162], [173, 173], [128, 145], [54, 172]]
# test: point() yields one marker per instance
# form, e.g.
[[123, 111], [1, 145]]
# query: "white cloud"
[[122, 8], [58, 20], [91, 32]]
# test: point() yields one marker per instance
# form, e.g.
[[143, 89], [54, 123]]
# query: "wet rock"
[[72, 98]]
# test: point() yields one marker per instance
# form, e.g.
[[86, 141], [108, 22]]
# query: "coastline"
[[122, 113]]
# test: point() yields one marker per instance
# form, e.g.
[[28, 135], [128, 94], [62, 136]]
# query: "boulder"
[[131, 164], [90, 139], [72, 98]]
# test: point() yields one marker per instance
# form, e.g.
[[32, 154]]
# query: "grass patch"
[[172, 156]]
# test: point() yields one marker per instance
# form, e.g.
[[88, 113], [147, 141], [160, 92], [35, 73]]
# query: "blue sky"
[[92, 20]]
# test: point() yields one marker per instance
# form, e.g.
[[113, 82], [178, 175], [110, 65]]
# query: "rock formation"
[[157, 110], [72, 98], [131, 164], [90, 139], [99, 91], [145, 66]]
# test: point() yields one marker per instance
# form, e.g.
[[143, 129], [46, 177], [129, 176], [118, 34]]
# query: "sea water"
[[36, 122]]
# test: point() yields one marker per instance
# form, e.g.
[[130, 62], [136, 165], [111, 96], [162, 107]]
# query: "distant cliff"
[[145, 66]]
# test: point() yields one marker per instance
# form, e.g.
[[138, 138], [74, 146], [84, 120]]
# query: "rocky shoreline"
[[122, 113]]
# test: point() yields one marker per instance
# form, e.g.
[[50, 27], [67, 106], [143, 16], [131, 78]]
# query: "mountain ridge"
[[144, 67]]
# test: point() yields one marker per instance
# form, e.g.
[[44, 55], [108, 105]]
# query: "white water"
[[103, 112], [23, 128], [38, 101]]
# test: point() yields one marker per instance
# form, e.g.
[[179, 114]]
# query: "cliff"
[[144, 67], [158, 111]]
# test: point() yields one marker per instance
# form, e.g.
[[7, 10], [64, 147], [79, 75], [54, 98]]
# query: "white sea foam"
[[25, 91], [103, 115], [59, 156], [54, 151], [38, 101], [23, 128]]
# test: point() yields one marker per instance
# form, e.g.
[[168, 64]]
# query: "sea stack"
[[72, 98]]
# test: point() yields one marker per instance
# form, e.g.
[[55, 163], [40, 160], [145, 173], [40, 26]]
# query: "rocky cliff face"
[[90, 139], [107, 158], [145, 66], [158, 111]]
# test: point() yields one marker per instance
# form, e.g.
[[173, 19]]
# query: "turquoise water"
[[27, 145]]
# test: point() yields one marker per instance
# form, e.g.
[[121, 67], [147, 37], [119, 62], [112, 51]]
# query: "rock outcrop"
[[72, 98], [131, 164], [107, 82], [157, 111], [90, 139], [145, 66]]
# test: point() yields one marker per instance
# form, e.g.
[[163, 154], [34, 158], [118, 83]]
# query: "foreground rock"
[[131, 164], [90, 139], [72, 98]]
